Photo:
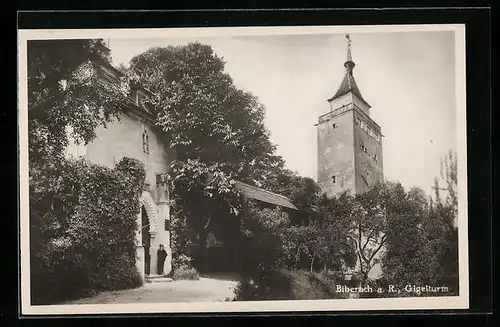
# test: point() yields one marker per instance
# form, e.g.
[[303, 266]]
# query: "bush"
[[181, 261], [83, 231], [118, 274], [288, 285], [179, 235], [185, 273], [262, 244], [183, 269]]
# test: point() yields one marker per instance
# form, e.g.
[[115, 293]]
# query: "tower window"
[[145, 142], [364, 148], [334, 125], [334, 179], [375, 157]]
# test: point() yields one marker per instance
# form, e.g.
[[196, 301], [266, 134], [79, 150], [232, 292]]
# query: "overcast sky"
[[407, 77]]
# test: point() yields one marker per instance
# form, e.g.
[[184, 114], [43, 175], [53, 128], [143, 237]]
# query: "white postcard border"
[[458, 302]]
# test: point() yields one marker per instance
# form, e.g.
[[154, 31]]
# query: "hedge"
[[83, 231], [289, 285]]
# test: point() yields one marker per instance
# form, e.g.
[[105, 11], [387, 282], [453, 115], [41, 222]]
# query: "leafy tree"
[[423, 245], [449, 173], [368, 227], [263, 238], [66, 92], [411, 256], [218, 129], [386, 226], [208, 117], [69, 92], [445, 213], [66, 89], [321, 236], [334, 227], [304, 192]]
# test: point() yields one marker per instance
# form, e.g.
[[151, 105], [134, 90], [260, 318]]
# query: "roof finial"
[[349, 64]]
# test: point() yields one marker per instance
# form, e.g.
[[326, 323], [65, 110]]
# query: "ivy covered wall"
[[83, 230]]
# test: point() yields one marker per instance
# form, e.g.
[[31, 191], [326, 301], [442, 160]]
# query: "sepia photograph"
[[243, 169]]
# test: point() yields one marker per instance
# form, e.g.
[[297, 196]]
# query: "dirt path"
[[206, 289]]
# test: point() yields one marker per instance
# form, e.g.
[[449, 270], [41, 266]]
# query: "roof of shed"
[[263, 195]]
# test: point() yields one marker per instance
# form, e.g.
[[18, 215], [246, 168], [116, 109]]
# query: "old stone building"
[[349, 141], [134, 135], [350, 149]]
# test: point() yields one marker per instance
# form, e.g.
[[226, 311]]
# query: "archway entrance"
[[146, 241]]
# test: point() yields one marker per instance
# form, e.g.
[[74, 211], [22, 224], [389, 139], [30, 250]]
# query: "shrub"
[[262, 244], [118, 274], [288, 285], [83, 231], [179, 236], [185, 273], [183, 269]]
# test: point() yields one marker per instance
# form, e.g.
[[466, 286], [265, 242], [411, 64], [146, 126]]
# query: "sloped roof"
[[348, 82], [263, 195], [348, 85]]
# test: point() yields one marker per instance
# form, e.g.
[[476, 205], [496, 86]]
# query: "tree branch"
[[382, 242], [368, 239], [358, 253], [361, 249], [208, 221]]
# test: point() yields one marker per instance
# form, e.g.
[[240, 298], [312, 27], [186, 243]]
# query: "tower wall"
[[368, 152], [336, 151], [340, 102], [363, 106]]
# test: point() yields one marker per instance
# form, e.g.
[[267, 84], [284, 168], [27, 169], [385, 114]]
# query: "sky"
[[407, 77]]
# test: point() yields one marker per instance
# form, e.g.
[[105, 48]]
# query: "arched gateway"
[[150, 235]]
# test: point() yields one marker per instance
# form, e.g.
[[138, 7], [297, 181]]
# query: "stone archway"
[[146, 235], [157, 216], [148, 203]]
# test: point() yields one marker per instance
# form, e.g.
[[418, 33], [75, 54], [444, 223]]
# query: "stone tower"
[[349, 141]]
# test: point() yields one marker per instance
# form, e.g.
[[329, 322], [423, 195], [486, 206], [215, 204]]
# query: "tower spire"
[[349, 64], [348, 82]]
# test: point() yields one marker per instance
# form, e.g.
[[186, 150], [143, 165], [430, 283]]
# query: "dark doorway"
[[146, 241]]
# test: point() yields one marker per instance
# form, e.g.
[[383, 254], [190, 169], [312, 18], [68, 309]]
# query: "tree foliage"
[[321, 237], [82, 216], [217, 129], [66, 90], [446, 214], [208, 117], [423, 243], [83, 240], [264, 239]]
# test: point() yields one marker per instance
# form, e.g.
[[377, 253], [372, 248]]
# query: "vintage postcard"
[[249, 169]]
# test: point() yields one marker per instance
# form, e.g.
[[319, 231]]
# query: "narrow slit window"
[[145, 142], [334, 179]]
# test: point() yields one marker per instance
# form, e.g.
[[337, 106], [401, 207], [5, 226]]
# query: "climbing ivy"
[[83, 231]]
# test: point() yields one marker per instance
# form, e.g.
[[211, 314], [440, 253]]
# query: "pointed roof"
[[348, 82]]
